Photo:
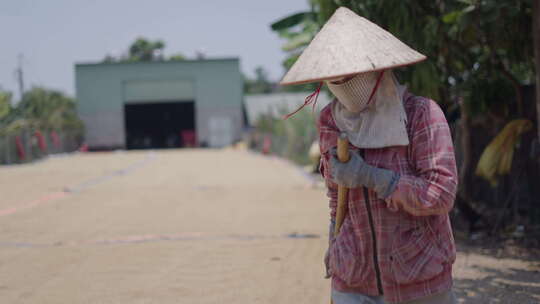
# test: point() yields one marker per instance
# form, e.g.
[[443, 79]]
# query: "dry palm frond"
[[496, 160]]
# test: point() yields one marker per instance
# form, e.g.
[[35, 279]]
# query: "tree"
[[5, 105], [44, 109], [464, 39], [142, 49], [177, 57], [480, 58], [146, 50], [298, 30], [260, 85], [536, 38]]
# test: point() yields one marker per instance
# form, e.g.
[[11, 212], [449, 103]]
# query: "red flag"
[[20, 148]]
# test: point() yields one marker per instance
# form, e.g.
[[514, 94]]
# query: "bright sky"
[[52, 35]]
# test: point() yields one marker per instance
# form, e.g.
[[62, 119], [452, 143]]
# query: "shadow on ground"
[[518, 286], [494, 276]]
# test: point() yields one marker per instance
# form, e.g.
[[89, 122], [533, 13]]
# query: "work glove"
[[356, 172]]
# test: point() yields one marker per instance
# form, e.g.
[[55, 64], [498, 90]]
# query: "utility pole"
[[19, 75]]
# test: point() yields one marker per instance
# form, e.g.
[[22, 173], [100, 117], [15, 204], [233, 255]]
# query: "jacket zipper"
[[373, 237]]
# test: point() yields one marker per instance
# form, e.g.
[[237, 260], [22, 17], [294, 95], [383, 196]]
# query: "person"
[[396, 243]]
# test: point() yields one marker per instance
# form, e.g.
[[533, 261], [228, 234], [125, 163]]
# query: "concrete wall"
[[102, 90], [279, 104]]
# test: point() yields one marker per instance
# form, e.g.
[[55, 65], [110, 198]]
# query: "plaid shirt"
[[406, 253]]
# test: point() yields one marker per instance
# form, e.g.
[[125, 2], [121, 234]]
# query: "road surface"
[[185, 226]]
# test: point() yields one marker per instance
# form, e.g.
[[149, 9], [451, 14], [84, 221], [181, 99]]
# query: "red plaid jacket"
[[407, 253]]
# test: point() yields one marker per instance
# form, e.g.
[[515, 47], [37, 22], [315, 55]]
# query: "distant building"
[[160, 104], [278, 104]]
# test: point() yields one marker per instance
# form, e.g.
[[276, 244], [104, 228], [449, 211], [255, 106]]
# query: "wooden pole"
[[343, 156]]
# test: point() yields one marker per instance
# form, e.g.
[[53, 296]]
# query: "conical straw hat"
[[346, 45]]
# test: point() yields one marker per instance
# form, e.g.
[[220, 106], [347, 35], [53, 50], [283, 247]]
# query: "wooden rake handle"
[[343, 156]]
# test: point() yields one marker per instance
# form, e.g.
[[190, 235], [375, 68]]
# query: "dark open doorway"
[[159, 125]]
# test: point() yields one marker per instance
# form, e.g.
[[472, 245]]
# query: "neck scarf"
[[382, 123]]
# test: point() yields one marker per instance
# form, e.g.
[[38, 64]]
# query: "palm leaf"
[[292, 20]]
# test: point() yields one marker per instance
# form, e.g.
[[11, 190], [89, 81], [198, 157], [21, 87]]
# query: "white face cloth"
[[382, 123], [354, 94]]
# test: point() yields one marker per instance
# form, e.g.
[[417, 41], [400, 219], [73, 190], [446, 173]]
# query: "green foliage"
[[292, 20], [291, 138], [43, 109], [260, 85], [489, 94], [464, 40], [177, 57], [325, 9], [479, 52], [5, 105], [298, 30], [143, 49]]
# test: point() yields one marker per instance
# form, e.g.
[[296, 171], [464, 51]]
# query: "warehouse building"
[[160, 104]]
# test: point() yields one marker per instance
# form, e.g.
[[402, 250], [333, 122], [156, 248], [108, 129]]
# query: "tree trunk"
[[463, 200], [465, 144], [536, 43]]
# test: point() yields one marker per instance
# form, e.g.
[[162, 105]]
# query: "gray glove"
[[356, 173]]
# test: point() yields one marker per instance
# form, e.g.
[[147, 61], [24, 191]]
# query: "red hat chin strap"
[[310, 99], [375, 88]]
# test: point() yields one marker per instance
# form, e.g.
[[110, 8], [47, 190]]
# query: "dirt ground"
[[189, 226]]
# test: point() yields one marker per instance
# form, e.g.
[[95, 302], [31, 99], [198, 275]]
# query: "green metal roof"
[[188, 61]]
